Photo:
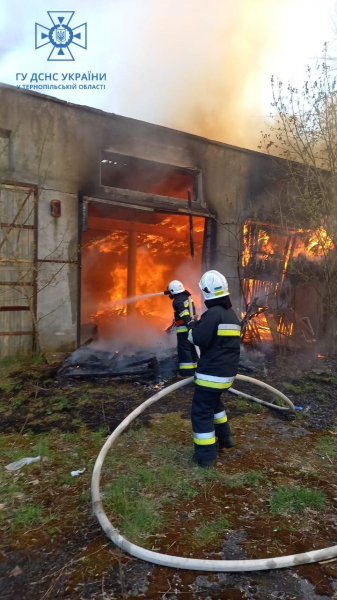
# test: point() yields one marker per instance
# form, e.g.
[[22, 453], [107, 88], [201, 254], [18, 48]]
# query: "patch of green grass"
[[256, 406], [210, 530], [70, 438], [171, 425], [168, 478], [99, 435], [327, 445], [42, 446], [322, 396], [8, 361], [9, 488], [241, 403], [296, 499], [58, 404], [137, 515], [251, 478], [324, 378], [38, 360], [211, 475], [301, 388], [26, 515], [278, 401], [290, 387], [17, 401], [85, 399], [165, 451], [80, 451], [142, 519]]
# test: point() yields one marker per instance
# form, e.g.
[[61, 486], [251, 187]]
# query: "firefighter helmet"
[[175, 287], [213, 285]]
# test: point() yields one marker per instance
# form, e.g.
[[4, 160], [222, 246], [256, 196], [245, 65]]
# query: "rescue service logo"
[[60, 35]]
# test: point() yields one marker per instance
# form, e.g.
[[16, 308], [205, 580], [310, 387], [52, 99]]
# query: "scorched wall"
[[56, 147]]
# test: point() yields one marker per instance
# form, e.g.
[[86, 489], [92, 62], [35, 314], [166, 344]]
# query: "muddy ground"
[[51, 545]]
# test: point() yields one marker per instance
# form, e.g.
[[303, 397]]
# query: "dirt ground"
[[52, 546]]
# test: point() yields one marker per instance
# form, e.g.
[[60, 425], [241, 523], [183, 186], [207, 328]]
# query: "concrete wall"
[[58, 147]]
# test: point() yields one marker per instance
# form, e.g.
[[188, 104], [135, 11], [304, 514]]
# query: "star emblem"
[[61, 36]]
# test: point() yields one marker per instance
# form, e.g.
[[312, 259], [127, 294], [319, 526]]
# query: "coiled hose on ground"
[[181, 562]]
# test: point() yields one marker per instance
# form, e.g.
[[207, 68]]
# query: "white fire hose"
[[181, 562]]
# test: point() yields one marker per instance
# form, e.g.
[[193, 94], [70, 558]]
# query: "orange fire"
[[264, 242], [162, 254]]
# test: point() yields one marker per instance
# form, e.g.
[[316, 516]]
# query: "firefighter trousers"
[[187, 355], [209, 423]]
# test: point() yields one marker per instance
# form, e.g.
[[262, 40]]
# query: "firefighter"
[[181, 306], [218, 336]]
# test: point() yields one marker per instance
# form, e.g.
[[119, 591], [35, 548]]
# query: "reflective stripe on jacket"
[[218, 336], [181, 307]]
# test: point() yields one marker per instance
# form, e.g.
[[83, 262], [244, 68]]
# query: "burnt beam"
[[132, 270]]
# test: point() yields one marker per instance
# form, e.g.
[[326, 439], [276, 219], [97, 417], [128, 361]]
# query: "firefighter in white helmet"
[[218, 336], [182, 302]]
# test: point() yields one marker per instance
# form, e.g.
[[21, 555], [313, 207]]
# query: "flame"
[[245, 252], [320, 356], [313, 245], [267, 246], [159, 259], [319, 243], [283, 245]]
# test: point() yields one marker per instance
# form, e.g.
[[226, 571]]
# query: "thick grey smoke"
[[202, 67]]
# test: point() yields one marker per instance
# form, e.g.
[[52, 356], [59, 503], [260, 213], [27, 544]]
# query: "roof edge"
[[101, 112]]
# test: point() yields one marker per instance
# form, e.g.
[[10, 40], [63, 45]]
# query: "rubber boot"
[[224, 443], [204, 464]]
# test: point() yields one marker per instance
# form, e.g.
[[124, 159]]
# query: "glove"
[[191, 324]]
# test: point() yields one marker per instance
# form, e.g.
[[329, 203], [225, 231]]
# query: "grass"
[[296, 499], [58, 404], [251, 478], [137, 516], [301, 388], [99, 435], [241, 404], [324, 378], [210, 530], [42, 447], [142, 488], [26, 515], [327, 445]]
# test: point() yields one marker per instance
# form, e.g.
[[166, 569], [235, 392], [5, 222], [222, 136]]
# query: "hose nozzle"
[[166, 293]]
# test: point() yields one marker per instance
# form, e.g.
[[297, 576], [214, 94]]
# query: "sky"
[[194, 65]]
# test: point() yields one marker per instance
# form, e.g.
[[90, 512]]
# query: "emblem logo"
[[61, 36]]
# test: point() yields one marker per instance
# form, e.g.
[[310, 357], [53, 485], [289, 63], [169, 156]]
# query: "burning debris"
[[154, 365], [271, 258]]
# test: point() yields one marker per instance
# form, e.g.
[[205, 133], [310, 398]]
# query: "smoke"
[[205, 67], [201, 67], [132, 333]]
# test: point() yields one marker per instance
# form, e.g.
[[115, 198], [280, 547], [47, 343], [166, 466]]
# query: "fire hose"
[[181, 562]]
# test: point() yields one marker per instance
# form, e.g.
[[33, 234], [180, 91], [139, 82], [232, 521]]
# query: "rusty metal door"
[[18, 253]]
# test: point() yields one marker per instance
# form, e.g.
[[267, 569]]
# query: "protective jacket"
[[182, 310], [218, 336], [186, 353]]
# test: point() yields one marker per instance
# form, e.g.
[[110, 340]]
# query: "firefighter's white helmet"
[[213, 285], [175, 287]]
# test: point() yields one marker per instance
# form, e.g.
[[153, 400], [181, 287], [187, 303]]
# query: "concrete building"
[[61, 164]]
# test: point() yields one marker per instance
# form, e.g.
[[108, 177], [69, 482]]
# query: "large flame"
[[159, 259], [270, 247]]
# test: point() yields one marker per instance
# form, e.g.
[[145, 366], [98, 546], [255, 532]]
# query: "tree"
[[304, 135]]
